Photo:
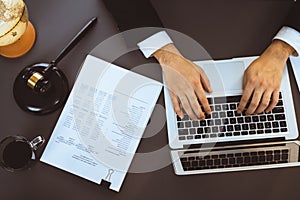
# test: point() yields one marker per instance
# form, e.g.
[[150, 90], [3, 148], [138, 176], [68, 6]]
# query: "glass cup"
[[18, 153], [17, 34]]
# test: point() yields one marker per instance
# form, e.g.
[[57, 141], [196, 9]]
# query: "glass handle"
[[37, 142]]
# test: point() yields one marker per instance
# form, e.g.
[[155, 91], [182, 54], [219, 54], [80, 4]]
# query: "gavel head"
[[37, 81]]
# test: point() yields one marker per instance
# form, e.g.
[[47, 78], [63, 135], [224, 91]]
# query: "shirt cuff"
[[153, 43], [291, 37]]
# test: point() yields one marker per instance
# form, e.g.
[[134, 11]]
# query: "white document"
[[295, 61], [102, 123]]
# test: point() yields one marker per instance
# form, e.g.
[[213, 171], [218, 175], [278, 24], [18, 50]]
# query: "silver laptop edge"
[[293, 159]]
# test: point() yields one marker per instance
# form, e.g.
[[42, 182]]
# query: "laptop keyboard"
[[241, 159], [226, 122]]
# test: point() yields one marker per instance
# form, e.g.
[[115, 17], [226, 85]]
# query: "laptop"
[[227, 141]]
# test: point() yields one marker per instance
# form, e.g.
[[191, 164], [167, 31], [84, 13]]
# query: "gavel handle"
[[71, 44]]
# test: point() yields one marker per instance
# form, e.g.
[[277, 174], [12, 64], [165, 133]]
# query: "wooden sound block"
[[21, 46]]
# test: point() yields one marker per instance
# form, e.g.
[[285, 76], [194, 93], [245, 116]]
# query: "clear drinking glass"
[[14, 27], [18, 153], [17, 34]]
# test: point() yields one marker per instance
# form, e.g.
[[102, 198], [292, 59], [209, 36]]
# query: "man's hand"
[[186, 82], [262, 79]]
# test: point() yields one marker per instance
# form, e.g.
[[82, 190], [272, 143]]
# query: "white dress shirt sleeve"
[[154, 42], [291, 37]]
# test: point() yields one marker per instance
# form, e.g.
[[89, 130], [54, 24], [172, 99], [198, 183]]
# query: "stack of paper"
[[102, 122]]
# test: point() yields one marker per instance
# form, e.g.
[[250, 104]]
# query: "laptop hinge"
[[235, 143]]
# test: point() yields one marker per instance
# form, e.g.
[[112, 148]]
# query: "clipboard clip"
[[106, 182]]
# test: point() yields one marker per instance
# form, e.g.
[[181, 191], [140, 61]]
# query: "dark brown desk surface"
[[56, 21]]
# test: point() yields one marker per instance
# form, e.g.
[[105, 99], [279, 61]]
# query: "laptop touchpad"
[[226, 76]]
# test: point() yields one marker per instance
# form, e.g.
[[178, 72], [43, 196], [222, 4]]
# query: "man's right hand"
[[186, 82]]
